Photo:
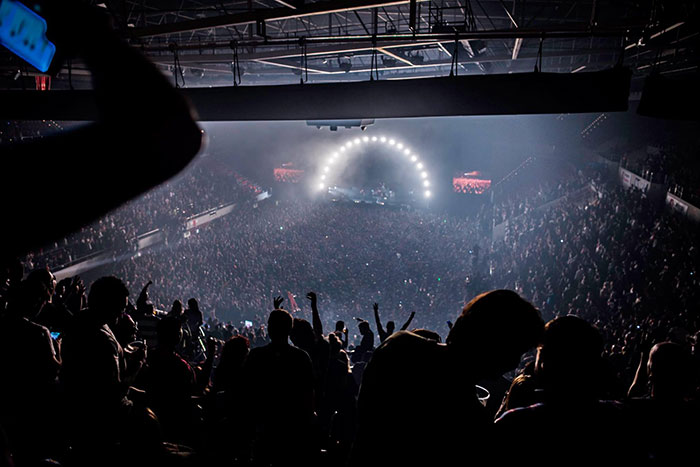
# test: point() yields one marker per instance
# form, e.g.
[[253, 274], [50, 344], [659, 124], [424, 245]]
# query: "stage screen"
[[288, 175], [471, 183]]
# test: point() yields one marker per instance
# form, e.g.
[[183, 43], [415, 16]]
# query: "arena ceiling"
[[287, 41]]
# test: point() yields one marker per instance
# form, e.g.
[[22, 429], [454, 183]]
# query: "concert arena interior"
[[349, 232]]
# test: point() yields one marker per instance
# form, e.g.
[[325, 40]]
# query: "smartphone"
[[24, 32], [54, 335]]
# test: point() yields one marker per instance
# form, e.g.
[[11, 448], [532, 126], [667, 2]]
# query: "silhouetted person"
[[228, 374], [95, 374], [229, 388], [280, 396], [170, 382], [572, 425], [29, 365], [342, 332], [390, 325], [144, 135], [366, 344], [666, 421], [338, 410], [438, 418], [193, 315]]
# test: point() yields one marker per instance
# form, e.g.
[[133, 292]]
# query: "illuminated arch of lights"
[[344, 152]]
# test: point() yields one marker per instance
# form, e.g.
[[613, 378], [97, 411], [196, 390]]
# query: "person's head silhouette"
[[302, 334], [390, 327], [279, 326], [107, 299], [169, 331], [670, 371], [569, 358], [364, 327], [493, 331]]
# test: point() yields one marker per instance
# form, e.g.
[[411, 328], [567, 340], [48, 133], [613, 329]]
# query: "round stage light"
[[406, 151], [400, 146], [342, 148], [374, 138], [427, 194], [414, 158], [424, 174], [320, 186], [426, 183], [365, 138], [383, 139], [419, 165], [326, 169], [392, 142], [356, 141], [323, 177]]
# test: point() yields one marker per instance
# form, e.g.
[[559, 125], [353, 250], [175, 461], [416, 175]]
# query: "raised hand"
[[375, 307], [277, 301], [312, 296]]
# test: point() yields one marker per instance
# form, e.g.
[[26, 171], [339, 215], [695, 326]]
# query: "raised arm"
[[315, 317], [380, 329], [408, 321]]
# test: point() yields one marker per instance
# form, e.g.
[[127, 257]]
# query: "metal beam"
[[408, 39], [393, 55], [269, 14]]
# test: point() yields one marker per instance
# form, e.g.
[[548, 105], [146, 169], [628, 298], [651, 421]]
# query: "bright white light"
[[357, 141], [427, 194], [326, 169], [342, 148], [320, 186], [330, 161], [426, 183], [406, 151], [419, 165], [335, 154], [424, 174], [391, 142], [365, 138], [400, 146], [414, 158], [374, 138], [383, 139], [323, 177]]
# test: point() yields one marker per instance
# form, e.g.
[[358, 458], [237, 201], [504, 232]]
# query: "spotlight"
[[323, 177], [382, 139], [391, 142], [357, 141], [326, 169], [426, 183], [400, 146], [424, 175], [365, 138], [374, 138], [348, 144], [406, 151], [414, 158], [342, 148], [335, 154], [320, 186], [419, 165], [427, 194]]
